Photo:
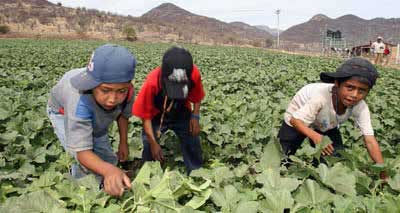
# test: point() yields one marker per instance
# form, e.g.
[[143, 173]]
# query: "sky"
[[253, 12]]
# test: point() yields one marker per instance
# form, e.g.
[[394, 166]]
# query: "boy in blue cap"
[[318, 109], [84, 103]]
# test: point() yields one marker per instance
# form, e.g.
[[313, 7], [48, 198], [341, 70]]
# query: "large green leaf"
[[391, 203], [199, 200], [344, 205], [218, 174], [394, 182], [339, 178], [110, 209], [310, 193], [247, 206], [272, 180], [34, 202], [277, 201], [143, 177], [227, 198], [271, 157]]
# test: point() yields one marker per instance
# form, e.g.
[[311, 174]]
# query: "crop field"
[[247, 92]]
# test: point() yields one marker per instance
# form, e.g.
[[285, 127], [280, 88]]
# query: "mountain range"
[[165, 23], [184, 20], [353, 29], [170, 23], [272, 31]]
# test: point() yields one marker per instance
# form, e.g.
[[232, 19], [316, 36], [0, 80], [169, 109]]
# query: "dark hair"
[[360, 79]]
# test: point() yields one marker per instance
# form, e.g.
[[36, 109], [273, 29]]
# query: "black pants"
[[291, 139]]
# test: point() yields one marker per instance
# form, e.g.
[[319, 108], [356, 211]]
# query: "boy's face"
[[110, 95], [351, 92]]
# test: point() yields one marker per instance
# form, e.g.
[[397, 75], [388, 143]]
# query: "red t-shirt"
[[144, 104]]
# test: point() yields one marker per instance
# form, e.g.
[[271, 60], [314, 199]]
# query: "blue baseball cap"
[[109, 63]]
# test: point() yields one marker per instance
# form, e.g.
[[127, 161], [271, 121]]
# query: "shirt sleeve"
[[309, 111], [79, 128], [197, 93], [362, 119], [143, 107]]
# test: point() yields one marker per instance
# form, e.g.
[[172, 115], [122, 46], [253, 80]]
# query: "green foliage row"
[[247, 92]]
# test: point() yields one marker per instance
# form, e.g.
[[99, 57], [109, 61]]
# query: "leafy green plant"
[[247, 93]]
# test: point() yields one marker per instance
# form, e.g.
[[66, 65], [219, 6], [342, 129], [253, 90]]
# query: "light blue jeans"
[[101, 146]]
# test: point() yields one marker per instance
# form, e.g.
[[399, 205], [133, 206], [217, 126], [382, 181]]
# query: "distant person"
[[372, 50], [386, 54], [378, 47], [347, 53], [84, 103], [318, 109], [170, 100]]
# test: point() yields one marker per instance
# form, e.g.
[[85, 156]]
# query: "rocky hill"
[[190, 25], [272, 31], [169, 23], [354, 29], [166, 22]]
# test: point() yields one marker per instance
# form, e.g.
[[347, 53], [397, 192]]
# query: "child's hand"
[[156, 152], [123, 152], [328, 149], [116, 181], [383, 176]]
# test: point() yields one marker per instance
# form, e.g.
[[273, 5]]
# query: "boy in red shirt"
[[164, 102]]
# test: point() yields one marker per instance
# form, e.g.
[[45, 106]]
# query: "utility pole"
[[278, 11]]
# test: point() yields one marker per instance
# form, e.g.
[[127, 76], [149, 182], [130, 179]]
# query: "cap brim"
[[83, 81], [330, 77], [176, 90]]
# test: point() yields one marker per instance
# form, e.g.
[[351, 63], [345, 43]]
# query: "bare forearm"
[[148, 129], [305, 130], [373, 148], [123, 129], [196, 108], [93, 162]]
